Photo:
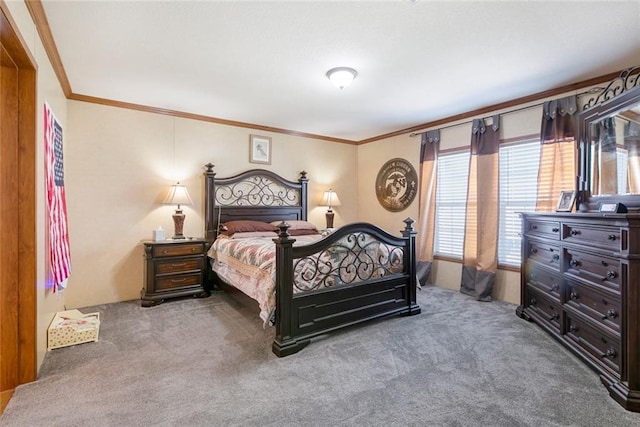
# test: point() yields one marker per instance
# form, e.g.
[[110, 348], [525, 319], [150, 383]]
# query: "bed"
[[313, 284]]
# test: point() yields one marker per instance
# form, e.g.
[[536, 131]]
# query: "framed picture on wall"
[[260, 149], [565, 202]]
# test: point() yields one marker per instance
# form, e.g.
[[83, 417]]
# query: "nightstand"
[[174, 268]]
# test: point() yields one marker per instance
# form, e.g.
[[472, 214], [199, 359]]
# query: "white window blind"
[[451, 200], [622, 159], [518, 183]]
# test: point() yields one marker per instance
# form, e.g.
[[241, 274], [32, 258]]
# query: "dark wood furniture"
[[173, 268], [580, 283], [580, 278], [264, 196]]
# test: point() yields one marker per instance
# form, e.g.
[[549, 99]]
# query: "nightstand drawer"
[[179, 265], [182, 281], [178, 250]]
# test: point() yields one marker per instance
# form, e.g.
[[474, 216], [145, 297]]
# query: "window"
[[518, 186], [451, 201]]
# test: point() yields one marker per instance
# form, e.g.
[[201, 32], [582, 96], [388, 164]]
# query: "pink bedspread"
[[249, 265]]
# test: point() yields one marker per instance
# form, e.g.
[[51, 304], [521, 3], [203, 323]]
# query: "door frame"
[[19, 320]]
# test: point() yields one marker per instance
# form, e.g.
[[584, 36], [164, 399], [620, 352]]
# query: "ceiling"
[[264, 62]]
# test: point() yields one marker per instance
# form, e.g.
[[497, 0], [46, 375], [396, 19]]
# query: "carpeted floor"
[[208, 362]]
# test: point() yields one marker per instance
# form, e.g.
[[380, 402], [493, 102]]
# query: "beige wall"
[[49, 90], [120, 163]]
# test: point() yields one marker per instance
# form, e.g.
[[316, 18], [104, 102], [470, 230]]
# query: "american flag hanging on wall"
[[59, 255]]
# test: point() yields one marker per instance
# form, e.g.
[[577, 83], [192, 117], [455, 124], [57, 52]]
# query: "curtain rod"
[[586, 92]]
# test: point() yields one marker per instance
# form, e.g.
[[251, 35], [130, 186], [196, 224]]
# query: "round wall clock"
[[396, 185]]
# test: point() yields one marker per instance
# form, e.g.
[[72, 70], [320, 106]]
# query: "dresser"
[[173, 268], [580, 283]]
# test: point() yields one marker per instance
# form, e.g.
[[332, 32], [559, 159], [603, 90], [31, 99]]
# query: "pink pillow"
[[244, 226]]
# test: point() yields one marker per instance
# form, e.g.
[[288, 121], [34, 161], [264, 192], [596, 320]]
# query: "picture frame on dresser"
[[566, 200]]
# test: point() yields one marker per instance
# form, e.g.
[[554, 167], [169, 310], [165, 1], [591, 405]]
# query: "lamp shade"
[[178, 195], [341, 77], [330, 198]]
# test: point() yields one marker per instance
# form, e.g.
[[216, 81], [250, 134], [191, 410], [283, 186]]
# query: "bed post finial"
[[409, 224], [282, 228], [209, 167], [303, 176]]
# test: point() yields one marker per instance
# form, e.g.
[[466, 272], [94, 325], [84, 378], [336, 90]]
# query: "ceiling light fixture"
[[341, 77]]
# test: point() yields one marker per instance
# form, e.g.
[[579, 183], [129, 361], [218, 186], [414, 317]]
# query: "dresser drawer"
[[546, 229], [546, 281], [602, 346], [597, 269], [585, 234], [175, 266], [603, 308], [543, 309], [177, 250], [544, 253], [176, 282]]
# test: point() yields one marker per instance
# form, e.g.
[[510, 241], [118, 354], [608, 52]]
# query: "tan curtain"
[[558, 154], [480, 259], [426, 222], [632, 144]]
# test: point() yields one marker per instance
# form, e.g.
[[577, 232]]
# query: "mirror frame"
[[621, 93]]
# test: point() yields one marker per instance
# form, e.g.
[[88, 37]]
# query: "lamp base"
[[329, 217], [178, 223]]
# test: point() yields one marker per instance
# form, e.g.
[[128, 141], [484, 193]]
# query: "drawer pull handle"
[[178, 280], [611, 353], [555, 229], [164, 251], [573, 328], [554, 316], [611, 314], [573, 295], [555, 257], [604, 263], [574, 263], [611, 274], [534, 251], [612, 237], [575, 232], [182, 264], [554, 287], [533, 301], [534, 227], [193, 249]]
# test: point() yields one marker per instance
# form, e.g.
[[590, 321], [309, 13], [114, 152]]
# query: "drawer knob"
[[164, 251], [574, 263], [612, 237], [611, 353], [534, 227], [555, 287], [612, 274], [533, 301], [575, 232], [573, 295], [533, 251], [611, 314], [555, 229], [554, 316], [573, 328], [555, 257]]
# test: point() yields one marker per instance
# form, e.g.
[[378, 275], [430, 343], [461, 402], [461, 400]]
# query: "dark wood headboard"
[[256, 194]]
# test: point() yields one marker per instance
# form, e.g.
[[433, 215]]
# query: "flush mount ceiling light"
[[341, 77]]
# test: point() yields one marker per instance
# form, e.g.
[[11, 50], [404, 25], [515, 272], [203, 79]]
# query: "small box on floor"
[[72, 327]]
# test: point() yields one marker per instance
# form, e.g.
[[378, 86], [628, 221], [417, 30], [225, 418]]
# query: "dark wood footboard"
[[362, 272]]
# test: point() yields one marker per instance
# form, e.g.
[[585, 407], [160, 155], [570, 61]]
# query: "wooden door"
[[17, 210]]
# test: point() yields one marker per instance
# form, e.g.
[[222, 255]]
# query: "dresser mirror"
[[609, 147]]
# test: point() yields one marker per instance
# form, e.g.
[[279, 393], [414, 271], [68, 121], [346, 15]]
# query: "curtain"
[[632, 144], [429, 148], [480, 259], [558, 154]]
